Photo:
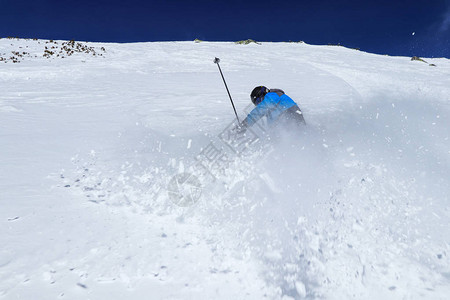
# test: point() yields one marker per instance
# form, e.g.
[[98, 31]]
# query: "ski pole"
[[216, 61]]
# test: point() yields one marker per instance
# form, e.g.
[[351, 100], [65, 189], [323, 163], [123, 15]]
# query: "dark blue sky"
[[384, 27]]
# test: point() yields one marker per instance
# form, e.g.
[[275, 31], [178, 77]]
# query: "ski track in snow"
[[355, 207]]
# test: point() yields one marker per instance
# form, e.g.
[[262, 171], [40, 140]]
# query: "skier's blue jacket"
[[273, 106]]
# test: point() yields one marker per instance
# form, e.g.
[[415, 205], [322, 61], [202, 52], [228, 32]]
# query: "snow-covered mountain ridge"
[[357, 208]]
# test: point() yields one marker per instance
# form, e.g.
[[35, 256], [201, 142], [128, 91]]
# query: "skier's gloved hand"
[[240, 128]]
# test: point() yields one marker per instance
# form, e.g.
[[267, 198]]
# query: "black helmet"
[[258, 94]]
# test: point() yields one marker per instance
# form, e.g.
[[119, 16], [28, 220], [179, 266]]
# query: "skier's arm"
[[257, 113]]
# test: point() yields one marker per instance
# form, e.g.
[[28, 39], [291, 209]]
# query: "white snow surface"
[[356, 206]]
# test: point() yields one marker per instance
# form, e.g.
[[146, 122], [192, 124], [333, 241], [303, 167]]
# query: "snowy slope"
[[358, 207]]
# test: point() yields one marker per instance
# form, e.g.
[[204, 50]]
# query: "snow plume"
[[338, 195]]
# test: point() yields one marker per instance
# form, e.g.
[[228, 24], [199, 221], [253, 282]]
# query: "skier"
[[274, 104]]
